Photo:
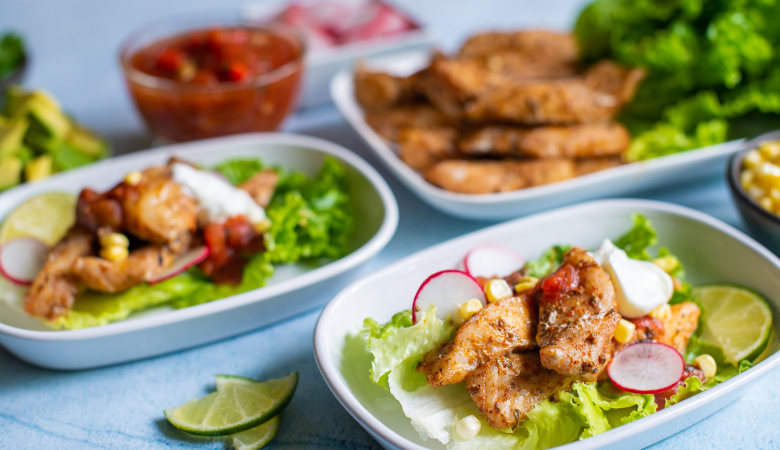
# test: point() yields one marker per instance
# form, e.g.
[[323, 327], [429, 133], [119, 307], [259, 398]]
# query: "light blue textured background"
[[74, 47]]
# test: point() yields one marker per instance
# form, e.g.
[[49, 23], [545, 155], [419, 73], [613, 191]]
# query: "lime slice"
[[225, 381], [257, 437], [46, 217], [233, 409], [736, 319]]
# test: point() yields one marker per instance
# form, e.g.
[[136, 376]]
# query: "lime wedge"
[[736, 319], [234, 409], [225, 381], [46, 217], [257, 437]]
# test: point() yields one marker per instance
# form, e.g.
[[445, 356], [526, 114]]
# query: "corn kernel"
[[468, 427], [114, 253], [769, 150], [766, 203], [133, 178], [496, 290], [114, 240], [667, 263], [746, 178], [707, 365], [752, 159], [469, 308], [526, 284], [663, 312], [625, 331], [755, 192]]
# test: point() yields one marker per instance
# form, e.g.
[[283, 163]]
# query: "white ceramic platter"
[[619, 181], [292, 290], [711, 251]]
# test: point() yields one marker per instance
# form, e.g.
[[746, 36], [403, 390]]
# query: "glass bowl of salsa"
[[209, 77]]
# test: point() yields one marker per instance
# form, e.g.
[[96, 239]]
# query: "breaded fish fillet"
[[141, 265], [577, 317], [54, 289], [389, 122], [378, 90], [575, 141], [486, 177], [536, 44], [509, 386], [497, 328], [421, 148]]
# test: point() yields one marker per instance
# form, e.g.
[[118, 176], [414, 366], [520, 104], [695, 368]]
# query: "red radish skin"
[[646, 368], [492, 260], [191, 258], [21, 260], [462, 287]]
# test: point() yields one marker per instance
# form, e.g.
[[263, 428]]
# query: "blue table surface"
[[74, 49]]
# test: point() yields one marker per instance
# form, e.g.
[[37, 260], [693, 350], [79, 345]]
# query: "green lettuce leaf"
[[237, 171], [547, 263], [636, 242], [376, 330], [606, 407], [394, 344]]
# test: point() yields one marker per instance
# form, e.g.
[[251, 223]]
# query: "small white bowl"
[[711, 251], [292, 290], [618, 181]]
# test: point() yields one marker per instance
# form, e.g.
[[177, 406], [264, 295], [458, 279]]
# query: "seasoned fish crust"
[[576, 323], [576, 141], [509, 386], [421, 148], [486, 177], [261, 186], [389, 122], [537, 44], [379, 90], [54, 289], [497, 328], [141, 265]]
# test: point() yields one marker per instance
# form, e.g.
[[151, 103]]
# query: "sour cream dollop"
[[640, 286], [218, 199]]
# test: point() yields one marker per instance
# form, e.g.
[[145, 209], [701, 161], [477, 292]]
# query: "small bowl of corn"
[[754, 178]]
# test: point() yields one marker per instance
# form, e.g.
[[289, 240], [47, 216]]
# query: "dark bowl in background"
[[15, 77], [764, 225]]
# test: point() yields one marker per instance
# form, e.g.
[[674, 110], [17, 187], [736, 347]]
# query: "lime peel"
[[258, 437], [235, 408]]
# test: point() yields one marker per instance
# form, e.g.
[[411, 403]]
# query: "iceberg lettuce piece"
[[408, 342], [607, 407]]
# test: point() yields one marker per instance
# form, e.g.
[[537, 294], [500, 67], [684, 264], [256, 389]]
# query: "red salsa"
[[217, 81]]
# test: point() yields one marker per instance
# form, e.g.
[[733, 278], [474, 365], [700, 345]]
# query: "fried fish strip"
[[680, 325], [596, 97], [592, 165], [576, 141], [141, 265], [158, 211], [536, 44], [261, 186], [509, 386], [577, 317], [388, 123], [379, 90], [499, 327], [485, 177], [54, 289], [421, 148]]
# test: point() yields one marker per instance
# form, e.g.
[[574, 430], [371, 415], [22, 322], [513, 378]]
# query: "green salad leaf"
[[548, 262], [641, 237], [311, 220], [606, 407], [709, 64]]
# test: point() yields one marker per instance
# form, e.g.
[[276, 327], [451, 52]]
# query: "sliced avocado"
[[86, 142], [39, 168], [10, 172], [40, 142], [19, 101], [66, 157], [12, 133], [14, 98], [25, 153], [49, 121]]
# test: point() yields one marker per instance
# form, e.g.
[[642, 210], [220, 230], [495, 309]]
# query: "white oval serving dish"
[[618, 181], [700, 241], [292, 290]]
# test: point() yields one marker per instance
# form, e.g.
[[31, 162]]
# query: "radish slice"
[[21, 260], [189, 259], [447, 290], [492, 261], [646, 368]]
